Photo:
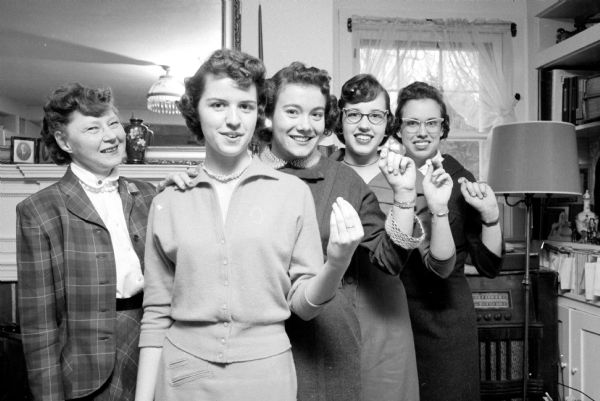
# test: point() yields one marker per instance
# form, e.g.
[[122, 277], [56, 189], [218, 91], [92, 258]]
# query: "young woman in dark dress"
[[441, 307]]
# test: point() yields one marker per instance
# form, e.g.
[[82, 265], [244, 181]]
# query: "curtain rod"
[[437, 21]]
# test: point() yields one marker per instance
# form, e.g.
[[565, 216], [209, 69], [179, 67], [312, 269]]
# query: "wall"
[[293, 30], [314, 31]]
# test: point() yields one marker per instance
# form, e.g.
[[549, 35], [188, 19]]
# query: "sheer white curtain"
[[470, 61]]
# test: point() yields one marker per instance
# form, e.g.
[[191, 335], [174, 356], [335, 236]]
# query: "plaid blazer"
[[67, 285]]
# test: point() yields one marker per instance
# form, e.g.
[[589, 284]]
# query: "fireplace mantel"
[[18, 181]]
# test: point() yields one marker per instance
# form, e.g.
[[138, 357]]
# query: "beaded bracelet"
[[406, 204], [401, 239]]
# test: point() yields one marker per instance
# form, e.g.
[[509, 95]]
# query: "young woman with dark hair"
[[232, 257]]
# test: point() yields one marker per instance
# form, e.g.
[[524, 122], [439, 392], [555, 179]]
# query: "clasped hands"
[[401, 173]]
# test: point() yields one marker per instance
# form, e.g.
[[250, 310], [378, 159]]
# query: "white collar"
[[90, 181]]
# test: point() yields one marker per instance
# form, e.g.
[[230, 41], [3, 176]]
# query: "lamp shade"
[[534, 157], [164, 93]]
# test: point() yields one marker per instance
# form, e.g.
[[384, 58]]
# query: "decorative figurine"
[[583, 218], [561, 230]]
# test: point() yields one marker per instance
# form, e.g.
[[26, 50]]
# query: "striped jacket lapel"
[[135, 211], [78, 202]]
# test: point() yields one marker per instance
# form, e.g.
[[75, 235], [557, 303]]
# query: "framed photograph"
[[23, 150], [551, 218], [43, 156]]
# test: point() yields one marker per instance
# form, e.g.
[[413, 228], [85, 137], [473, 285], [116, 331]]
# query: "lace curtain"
[[470, 61]]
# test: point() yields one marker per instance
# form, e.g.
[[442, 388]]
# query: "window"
[[469, 61], [466, 60]]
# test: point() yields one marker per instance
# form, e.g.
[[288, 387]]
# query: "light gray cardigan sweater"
[[222, 290]]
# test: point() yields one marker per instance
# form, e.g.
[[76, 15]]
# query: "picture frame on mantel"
[[23, 150], [43, 155]]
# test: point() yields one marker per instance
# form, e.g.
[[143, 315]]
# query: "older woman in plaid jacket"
[[80, 249]]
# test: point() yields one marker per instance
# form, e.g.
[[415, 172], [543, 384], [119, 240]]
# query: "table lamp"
[[534, 158]]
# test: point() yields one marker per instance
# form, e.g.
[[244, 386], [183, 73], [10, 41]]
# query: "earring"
[[268, 123]]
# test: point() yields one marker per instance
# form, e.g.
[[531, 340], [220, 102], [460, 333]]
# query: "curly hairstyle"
[[60, 106], [363, 88], [244, 69], [421, 90], [299, 73]]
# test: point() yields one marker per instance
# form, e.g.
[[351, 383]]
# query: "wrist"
[[405, 195], [337, 263], [490, 223], [489, 217], [435, 208]]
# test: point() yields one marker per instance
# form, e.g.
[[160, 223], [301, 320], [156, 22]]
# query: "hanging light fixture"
[[163, 94]]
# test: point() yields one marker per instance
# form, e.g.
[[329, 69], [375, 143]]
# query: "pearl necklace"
[[359, 165], [224, 178]]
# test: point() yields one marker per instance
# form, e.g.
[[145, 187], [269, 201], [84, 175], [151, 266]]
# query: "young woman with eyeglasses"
[[441, 307], [388, 362]]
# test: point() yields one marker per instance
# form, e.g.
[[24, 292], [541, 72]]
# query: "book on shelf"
[[572, 106], [591, 98], [591, 108], [561, 95], [592, 86]]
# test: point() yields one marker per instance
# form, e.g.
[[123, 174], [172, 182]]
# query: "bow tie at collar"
[[270, 159], [91, 183], [103, 186]]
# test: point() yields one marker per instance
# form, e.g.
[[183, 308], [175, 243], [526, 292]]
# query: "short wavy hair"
[[60, 106], [421, 90], [363, 88], [299, 73], [244, 69]]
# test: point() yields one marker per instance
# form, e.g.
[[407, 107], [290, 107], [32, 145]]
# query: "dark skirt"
[[327, 351], [445, 335]]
